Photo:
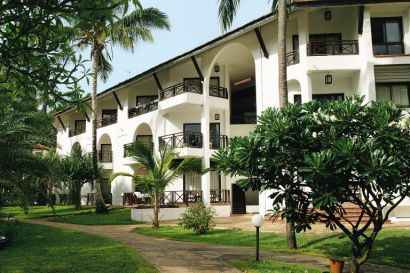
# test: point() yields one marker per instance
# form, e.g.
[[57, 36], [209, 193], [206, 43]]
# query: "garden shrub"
[[198, 218]]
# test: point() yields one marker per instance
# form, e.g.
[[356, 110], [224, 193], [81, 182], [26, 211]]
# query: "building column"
[[305, 81], [366, 82], [303, 33], [206, 178], [305, 87], [406, 31]]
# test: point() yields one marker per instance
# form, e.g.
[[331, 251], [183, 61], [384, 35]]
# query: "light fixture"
[[328, 15], [217, 117], [217, 68], [243, 81], [328, 79], [257, 221]]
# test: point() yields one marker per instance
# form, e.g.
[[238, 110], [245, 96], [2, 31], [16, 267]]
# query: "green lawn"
[[48, 250], [67, 214], [272, 267], [391, 247], [42, 211]]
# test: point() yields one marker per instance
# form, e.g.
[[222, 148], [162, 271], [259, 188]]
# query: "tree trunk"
[[355, 267], [291, 235], [99, 201], [156, 211], [282, 29]]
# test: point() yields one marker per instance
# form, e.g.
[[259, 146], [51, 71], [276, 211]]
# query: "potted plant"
[[336, 264]]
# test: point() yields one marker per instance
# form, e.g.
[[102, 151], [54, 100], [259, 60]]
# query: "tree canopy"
[[316, 158]]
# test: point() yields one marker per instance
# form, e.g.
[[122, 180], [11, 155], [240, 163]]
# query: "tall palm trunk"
[[155, 222], [283, 90], [282, 29], [99, 201]]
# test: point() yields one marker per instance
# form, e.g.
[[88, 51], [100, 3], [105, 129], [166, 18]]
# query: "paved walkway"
[[185, 257]]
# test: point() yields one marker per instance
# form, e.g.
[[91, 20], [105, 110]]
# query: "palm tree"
[[112, 25], [159, 171], [227, 12]]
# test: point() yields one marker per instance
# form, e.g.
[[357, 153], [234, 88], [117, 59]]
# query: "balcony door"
[[325, 44], [387, 36], [192, 135]]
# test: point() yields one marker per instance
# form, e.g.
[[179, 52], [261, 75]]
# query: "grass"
[[272, 267], [49, 250], [42, 211], [391, 247], [67, 214]]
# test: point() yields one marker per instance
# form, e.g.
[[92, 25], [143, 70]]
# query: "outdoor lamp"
[[257, 221]]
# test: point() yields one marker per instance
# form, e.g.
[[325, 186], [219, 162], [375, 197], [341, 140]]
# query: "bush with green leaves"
[[198, 218]]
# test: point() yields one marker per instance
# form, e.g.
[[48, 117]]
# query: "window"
[[108, 117], [243, 106], [387, 36], [295, 42], [106, 153], [398, 93], [79, 126], [297, 99]]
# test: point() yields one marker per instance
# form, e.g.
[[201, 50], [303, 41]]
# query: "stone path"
[[184, 257]]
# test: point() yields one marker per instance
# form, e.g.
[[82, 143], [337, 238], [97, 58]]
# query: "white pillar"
[[304, 79], [305, 87], [406, 33], [366, 84], [206, 178], [303, 33]]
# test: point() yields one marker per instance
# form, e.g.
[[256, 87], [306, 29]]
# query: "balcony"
[[181, 88], [218, 142], [147, 140], [220, 196], [106, 121], [329, 48], [181, 140], [143, 109], [76, 132], [218, 91], [168, 198], [292, 58]]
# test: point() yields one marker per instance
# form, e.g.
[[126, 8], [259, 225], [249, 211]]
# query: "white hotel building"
[[196, 101]]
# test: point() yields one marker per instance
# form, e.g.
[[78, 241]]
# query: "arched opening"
[[76, 149], [236, 66], [144, 134], [294, 93], [105, 149]]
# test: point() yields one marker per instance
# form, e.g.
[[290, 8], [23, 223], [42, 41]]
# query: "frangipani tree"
[[318, 157], [112, 24], [160, 170]]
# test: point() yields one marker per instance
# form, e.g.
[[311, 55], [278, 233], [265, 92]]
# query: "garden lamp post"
[[257, 221]]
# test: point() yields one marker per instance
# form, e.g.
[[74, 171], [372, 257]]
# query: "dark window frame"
[[391, 84], [399, 21], [299, 100], [77, 125]]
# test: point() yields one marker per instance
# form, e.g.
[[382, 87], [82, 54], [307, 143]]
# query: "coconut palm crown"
[[157, 171]]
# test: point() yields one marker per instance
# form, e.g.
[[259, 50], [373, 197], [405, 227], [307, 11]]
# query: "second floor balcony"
[[181, 140], [143, 109], [329, 48], [193, 86], [106, 121]]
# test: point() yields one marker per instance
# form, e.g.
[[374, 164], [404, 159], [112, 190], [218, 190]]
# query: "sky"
[[193, 22]]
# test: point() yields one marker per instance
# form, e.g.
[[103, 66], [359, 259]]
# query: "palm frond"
[[137, 26], [227, 11]]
